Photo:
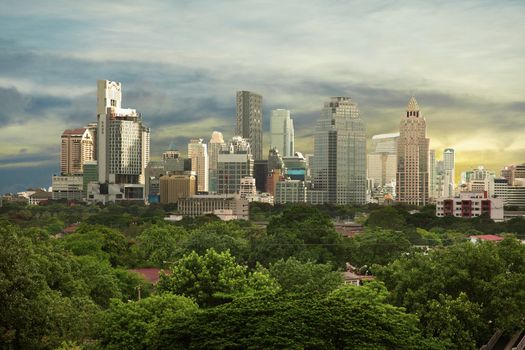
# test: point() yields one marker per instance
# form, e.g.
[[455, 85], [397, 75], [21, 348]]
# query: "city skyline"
[[465, 76]]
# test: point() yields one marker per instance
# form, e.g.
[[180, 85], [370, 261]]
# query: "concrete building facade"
[[250, 120], [412, 178], [198, 153], [339, 164]]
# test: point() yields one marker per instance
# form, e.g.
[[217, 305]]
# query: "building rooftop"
[[78, 131], [491, 238], [152, 275]]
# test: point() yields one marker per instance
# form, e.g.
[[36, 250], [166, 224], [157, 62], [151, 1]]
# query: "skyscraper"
[[215, 145], [413, 157], [448, 172], [198, 153], [282, 132], [76, 148], [234, 163], [123, 142], [382, 160], [339, 166], [249, 120], [432, 174]]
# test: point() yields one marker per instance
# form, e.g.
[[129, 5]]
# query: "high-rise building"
[[174, 187], [123, 147], [433, 175], [339, 164], [290, 191], [215, 145], [171, 152], [76, 148], [282, 132], [382, 161], [412, 183], [234, 163], [295, 167], [249, 120], [198, 153], [448, 172]]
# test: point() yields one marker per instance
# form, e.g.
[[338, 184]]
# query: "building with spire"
[[339, 163], [412, 178]]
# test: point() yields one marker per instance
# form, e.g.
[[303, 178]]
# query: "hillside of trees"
[[272, 282]]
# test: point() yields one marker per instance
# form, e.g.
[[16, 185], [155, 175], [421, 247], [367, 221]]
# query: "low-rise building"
[[470, 204], [67, 187], [212, 204]]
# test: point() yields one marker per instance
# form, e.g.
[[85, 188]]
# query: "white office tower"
[[198, 153], [282, 132], [448, 172], [234, 162], [433, 175], [382, 161], [339, 164], [123, 145]]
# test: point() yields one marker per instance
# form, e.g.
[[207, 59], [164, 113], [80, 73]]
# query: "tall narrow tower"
[[282, 132], [339, 167], [249, 120], [198, 153], [413, 157], [449, 172], [123, 141]]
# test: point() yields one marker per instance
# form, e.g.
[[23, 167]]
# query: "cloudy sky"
[[180, 63]]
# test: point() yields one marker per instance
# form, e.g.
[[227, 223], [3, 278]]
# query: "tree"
[[386, 218], [486, 278], [306, 233], [137, 325], [378, 247], [157, 244], [295, 276], [220, 236], [35, 312], [213, 278], [348, 318]]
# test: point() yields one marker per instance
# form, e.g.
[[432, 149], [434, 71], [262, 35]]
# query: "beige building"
[[198, 153], [175, 187], [412, 180], [233, 205], [76, 148]]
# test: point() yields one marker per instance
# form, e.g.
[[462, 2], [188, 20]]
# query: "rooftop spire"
[[412, 105]]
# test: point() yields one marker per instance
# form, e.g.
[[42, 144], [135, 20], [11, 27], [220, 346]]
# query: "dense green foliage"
[[463, 291], [274, 283]]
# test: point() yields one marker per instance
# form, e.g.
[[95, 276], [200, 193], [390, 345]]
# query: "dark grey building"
[[249, 120]]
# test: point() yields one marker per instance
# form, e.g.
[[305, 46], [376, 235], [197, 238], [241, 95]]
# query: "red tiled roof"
[[152, 275], [487, 237], [70, 229], [78, 131]]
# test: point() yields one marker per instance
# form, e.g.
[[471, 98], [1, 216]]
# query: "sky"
[[181, 62]]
